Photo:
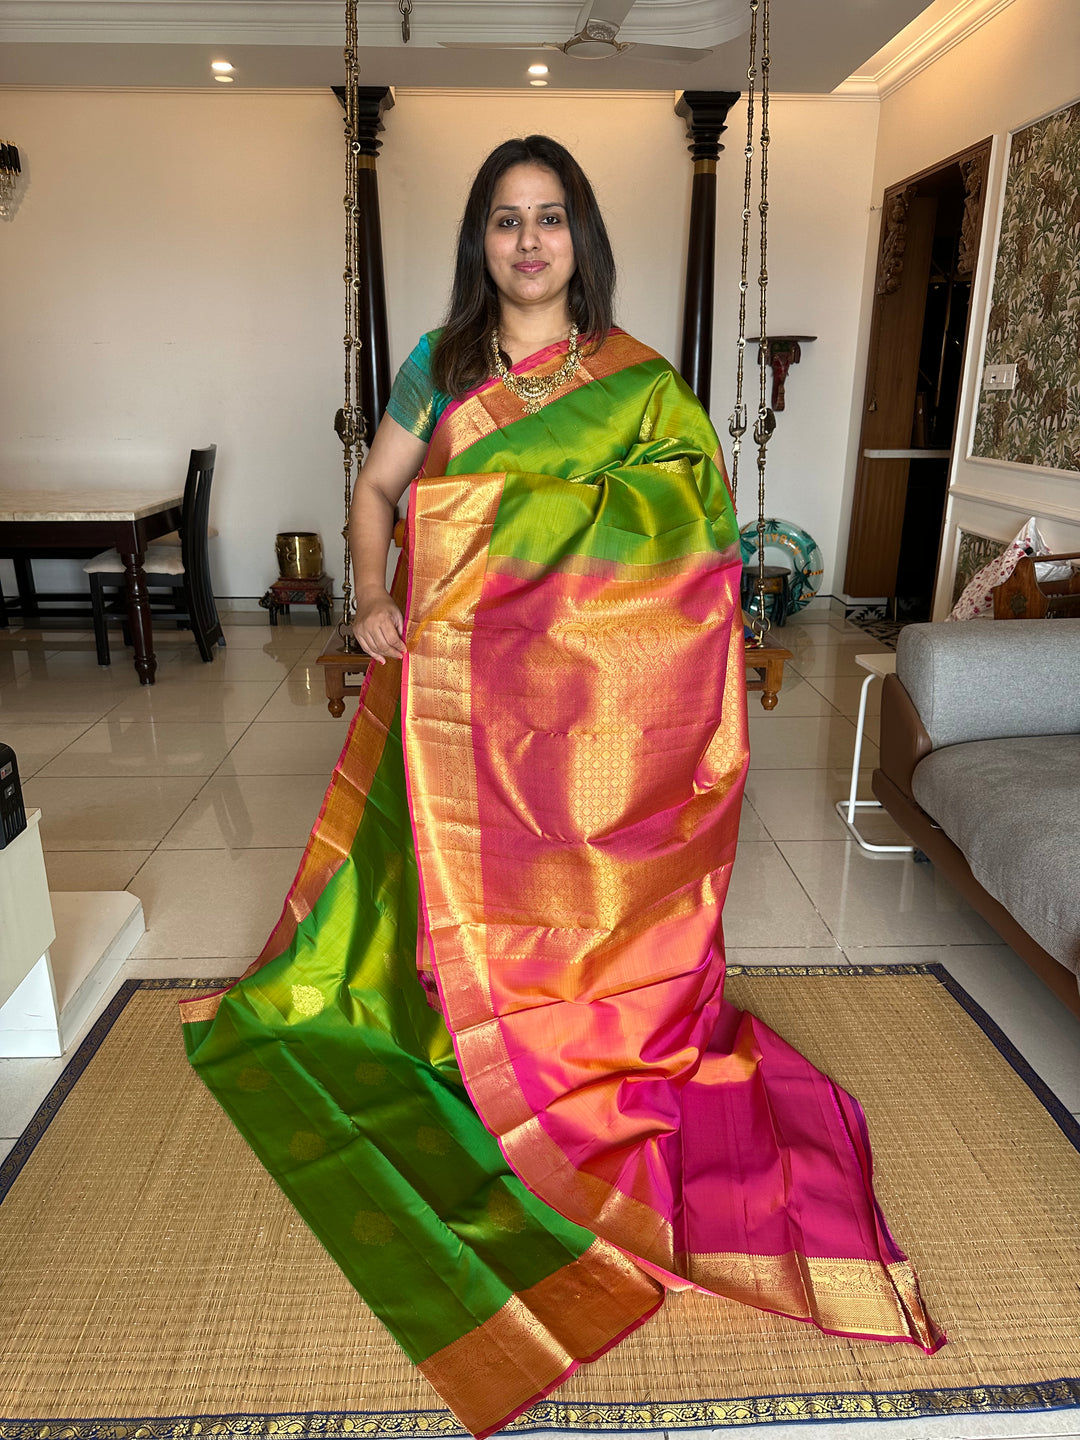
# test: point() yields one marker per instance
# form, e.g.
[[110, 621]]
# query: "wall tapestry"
[[1035, 308]]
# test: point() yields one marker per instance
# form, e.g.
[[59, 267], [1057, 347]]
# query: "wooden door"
[[896, 327]]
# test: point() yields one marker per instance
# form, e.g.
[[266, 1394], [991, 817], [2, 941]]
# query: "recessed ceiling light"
[[537, 82], [222, 65], [224, 79], [538, 69]]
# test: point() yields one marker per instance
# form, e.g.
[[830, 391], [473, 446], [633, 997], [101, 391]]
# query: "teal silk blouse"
[[414, 402]]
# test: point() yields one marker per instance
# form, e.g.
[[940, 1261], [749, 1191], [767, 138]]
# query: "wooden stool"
[[283, 593], [777, 583]]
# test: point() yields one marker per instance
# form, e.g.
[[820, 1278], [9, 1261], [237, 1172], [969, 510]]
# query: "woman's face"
[[527, 243]]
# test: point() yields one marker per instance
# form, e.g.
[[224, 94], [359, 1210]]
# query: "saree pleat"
[[486, 1051]]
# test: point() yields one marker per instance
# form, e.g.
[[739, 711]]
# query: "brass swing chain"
[[766, 420], [352, 427], [737, 423], [765, 423]]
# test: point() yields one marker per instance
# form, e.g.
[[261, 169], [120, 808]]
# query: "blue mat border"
[[648, 1417], [551, 1414]]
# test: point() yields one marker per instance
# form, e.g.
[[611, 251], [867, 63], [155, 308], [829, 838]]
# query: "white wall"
[[1019, 66], [173, 277], [631, 147], [820, 177]]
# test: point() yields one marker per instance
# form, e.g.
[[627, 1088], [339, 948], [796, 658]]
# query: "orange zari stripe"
[[540, 1335]]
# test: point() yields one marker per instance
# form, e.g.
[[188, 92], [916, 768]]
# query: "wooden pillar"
[[372, 101], [704, 112]]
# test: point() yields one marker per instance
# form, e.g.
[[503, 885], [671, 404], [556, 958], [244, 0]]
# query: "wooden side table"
[[283, 593]]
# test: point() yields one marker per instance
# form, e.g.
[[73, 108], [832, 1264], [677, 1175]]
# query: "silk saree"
[[486, 1051]]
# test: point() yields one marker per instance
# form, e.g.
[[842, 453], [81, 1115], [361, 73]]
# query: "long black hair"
[[461, 358]]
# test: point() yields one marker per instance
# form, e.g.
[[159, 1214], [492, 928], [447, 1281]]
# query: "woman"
[[486, 1051]]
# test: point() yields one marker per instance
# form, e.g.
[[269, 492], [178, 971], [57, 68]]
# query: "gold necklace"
[[533, 390]]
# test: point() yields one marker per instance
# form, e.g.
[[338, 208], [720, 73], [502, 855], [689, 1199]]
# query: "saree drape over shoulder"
[[486, 1051]]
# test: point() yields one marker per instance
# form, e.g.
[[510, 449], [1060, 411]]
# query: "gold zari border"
[[492, 407], [862, 1296], [541, 1334]]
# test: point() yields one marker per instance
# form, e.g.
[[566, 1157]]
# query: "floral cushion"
[[977, 600]]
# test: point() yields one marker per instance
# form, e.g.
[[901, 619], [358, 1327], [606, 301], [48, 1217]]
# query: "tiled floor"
[[197, 795]]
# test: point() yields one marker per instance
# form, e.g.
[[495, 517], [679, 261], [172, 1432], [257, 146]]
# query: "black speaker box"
[[12, 811]]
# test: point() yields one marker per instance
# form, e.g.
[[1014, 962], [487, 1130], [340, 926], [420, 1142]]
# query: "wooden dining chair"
[[183, 573]]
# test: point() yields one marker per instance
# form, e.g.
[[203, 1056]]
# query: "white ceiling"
[[275, 44]]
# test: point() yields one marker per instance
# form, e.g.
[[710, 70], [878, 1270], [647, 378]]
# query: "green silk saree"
[[485, 1051]]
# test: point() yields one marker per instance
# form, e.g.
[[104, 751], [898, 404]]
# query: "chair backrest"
[[194, 523]]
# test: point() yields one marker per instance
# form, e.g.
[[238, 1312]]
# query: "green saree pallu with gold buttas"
[[486, 1051]]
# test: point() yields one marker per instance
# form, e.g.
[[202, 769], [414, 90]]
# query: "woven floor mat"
[[150, 1269], [885, 632]]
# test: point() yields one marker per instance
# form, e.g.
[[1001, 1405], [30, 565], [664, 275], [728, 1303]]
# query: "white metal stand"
[[877, 667]]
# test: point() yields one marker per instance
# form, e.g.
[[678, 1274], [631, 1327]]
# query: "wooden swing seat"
[[767, 660]]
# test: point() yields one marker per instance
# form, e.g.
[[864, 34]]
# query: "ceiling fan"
[[595, 38]]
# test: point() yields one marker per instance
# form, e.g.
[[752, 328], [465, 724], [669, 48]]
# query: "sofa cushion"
[[1013, 808], [974, 680]]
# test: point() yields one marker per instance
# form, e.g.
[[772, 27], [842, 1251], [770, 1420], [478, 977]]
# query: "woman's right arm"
[[393, 460]]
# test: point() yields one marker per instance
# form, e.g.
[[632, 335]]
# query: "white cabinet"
[[26, 918], [59, 954]]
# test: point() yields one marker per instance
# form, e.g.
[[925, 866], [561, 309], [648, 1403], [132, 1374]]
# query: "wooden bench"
[[1023, 596]]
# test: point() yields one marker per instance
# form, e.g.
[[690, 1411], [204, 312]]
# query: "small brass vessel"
[[299, 555]]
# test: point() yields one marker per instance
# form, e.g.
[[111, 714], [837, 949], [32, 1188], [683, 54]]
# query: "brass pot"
[[299, 555]]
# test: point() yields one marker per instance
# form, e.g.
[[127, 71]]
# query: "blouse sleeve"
[[414, 402]]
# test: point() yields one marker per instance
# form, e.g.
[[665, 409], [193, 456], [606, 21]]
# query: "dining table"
[[75, 524]]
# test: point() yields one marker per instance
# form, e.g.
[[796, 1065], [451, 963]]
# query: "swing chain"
[[350, 425], [765, 421], [737, 422]]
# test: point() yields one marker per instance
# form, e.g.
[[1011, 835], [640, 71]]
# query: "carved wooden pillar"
[[704, 112], [372, 101]]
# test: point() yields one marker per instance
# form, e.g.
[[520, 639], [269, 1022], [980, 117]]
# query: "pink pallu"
[[574, 724]]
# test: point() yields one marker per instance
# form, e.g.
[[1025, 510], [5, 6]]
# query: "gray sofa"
[[980, 765]]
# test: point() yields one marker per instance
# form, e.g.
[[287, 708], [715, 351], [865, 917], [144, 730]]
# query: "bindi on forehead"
[[515, 209]]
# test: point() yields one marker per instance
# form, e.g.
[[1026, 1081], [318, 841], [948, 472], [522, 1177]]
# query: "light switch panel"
[[999, 377]]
